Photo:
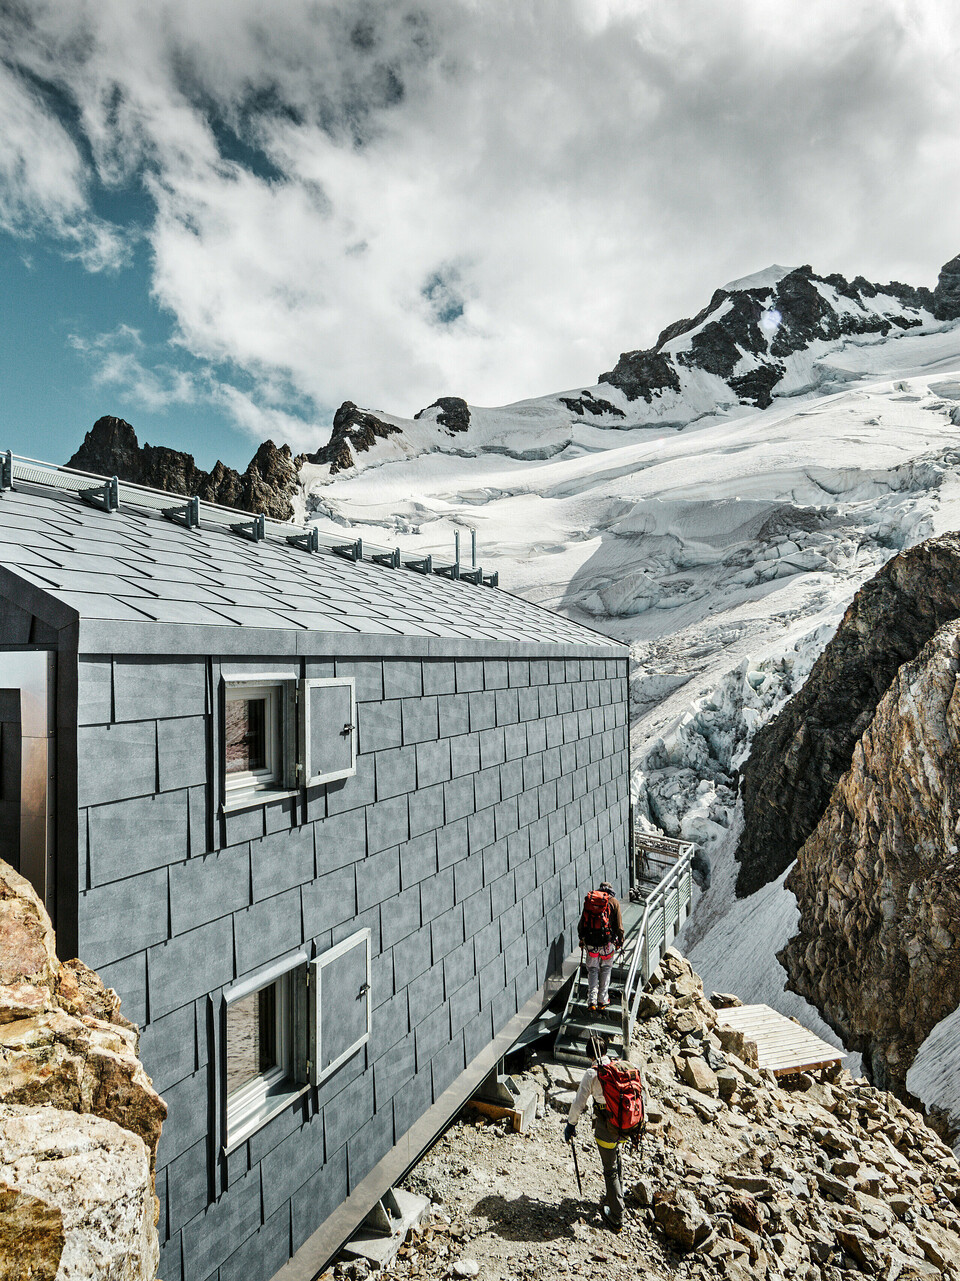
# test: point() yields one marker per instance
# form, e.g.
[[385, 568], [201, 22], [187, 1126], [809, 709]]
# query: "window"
[[252, 736], [265, 1058], [268, 748], [291, 1026]]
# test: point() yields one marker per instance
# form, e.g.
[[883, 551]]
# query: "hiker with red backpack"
[[601, 937], [616, 1088]]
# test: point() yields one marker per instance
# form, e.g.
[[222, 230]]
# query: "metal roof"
[[134, 565]]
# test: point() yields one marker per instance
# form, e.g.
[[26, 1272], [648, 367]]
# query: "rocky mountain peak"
[[750, 328], [354, 431], [111, 448], [454, 413]]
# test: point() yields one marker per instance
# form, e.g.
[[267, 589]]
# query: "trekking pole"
[[576, 1166]]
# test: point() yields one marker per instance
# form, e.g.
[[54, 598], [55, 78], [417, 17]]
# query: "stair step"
[[579, 1031]]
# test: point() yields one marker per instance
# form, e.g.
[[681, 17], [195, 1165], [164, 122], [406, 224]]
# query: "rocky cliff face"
[[878, 881], [79, 1118], [111, 448], [798, 757]]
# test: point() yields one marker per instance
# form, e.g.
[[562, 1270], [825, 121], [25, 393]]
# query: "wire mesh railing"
[[111, 494], [667, 902]]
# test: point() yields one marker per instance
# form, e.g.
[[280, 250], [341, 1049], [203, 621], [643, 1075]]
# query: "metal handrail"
[[672, 879]]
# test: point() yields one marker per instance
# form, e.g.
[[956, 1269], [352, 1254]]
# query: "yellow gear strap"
[[601, 1144]]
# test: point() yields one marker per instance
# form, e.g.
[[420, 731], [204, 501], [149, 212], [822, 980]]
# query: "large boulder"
[[679, 1214], [79, 1118], [75, 1199]]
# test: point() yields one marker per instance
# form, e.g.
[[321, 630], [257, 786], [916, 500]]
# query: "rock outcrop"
[[798, 757], [111, 448], [354, 432], [454, 413], [878, 882], [79, 1118], [946, 296]]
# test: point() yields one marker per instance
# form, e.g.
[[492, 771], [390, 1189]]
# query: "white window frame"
[[270, 1093], [347, 682], [271, 776], [317, 967]]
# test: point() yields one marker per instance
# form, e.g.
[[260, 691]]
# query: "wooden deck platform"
[[782, 1045]]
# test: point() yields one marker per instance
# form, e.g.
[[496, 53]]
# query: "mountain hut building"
[[324, 818]]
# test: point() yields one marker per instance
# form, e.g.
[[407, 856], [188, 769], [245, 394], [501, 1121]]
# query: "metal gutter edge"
[[103, 636], [316, 1252]]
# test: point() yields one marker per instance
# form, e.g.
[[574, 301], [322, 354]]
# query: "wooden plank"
[[497, 1113], [784, 1047]]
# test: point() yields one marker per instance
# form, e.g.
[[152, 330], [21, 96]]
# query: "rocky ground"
[[739, 1176]]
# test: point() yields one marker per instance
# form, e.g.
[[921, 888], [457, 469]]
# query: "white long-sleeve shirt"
[[590, 1087]]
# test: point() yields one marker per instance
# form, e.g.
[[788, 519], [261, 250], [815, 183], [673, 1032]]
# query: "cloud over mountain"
[[391, 203]]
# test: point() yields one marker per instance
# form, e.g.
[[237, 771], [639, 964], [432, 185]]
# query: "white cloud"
[[43, 180], [120, 360], [389, 203]]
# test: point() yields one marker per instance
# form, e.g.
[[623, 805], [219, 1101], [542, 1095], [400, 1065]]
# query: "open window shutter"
[[340, 1006], [328, 730]]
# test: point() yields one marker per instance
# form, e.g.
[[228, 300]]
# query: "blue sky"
[[220, 225]]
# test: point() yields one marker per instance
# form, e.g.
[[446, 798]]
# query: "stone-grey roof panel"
[[133, 565]]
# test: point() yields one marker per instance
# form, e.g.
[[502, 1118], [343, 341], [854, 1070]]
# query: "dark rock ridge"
[[729, 328], [454, 413], [642, 373], [354, 431], [799, 757], [878, 882], [111, 448], [588, 403], [946, 296]]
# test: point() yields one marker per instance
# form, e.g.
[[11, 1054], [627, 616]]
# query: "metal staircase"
[[661, 890]]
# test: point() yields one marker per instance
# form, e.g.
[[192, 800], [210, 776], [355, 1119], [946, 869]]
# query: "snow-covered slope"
[[772, 334]]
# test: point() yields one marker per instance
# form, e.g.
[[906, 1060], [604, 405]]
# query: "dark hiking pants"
[[608, 1143]]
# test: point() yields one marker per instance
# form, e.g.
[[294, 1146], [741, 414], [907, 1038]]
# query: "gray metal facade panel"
[[104, 566], [467, 856]]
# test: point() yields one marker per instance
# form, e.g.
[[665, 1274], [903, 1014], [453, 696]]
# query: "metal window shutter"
[[340, 1004], [328, 730]]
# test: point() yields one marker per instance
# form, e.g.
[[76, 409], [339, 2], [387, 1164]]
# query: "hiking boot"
[[592, 1007], [608, 1219], [604, 1004]]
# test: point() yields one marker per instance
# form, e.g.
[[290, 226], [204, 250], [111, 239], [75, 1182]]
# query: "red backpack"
[[623, 1094], [595, 921]]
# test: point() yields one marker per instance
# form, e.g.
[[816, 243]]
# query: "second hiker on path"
[[601, 936], [616, 1088]]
